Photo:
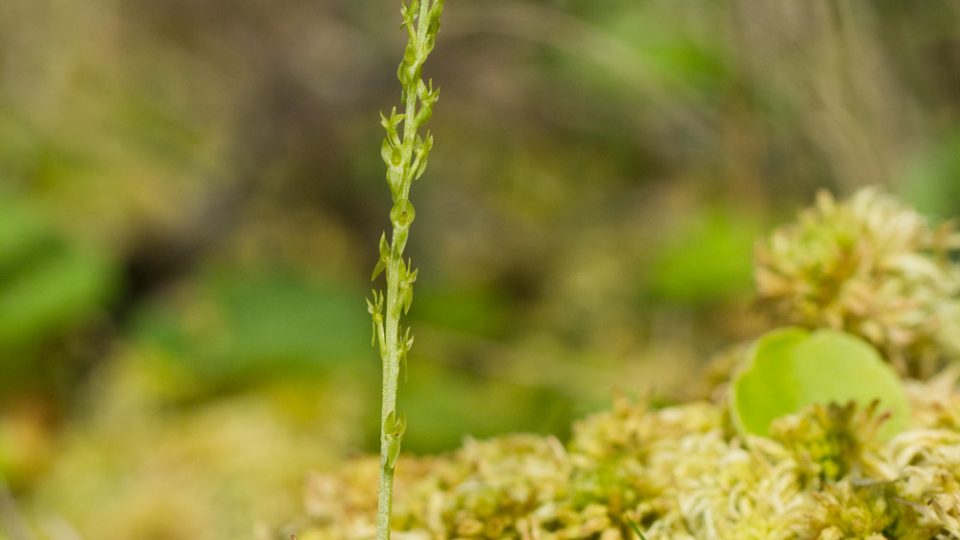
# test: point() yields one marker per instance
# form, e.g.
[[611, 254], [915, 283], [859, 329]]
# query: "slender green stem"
[[388, 407], [406, 159]]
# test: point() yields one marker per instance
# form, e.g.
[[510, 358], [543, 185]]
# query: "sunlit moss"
[[867, 266], [871, 266], [829, 441], [678, 473]]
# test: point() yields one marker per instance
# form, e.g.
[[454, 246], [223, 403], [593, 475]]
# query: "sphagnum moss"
[[405, 153], [684, 473], [870, 266], [678, 473]]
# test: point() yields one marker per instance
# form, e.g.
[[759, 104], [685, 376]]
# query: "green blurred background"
[[191, 195]]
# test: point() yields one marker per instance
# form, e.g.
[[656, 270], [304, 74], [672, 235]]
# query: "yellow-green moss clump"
[[870, 266], [677, 473]]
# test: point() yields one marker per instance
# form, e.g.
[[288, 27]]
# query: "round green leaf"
[[791, 368]]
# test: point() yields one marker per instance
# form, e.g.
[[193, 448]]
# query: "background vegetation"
[[191, 195]]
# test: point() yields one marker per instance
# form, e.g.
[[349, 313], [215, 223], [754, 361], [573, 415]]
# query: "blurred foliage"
[[707, 259], [190, 194], [221, 466], [231, 328], [48, 284], [932, 184]]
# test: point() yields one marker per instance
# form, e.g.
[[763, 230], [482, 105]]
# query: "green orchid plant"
[[405, 153]]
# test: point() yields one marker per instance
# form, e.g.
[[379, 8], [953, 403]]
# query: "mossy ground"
[[677, 473], [868, 266]]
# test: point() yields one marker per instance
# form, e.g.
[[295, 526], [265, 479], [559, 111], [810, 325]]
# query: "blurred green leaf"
[[932, 182], [239, 326], [789, 369], [479, 312], [46, 283], [450, 404], [707, 258], [22, 235]]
